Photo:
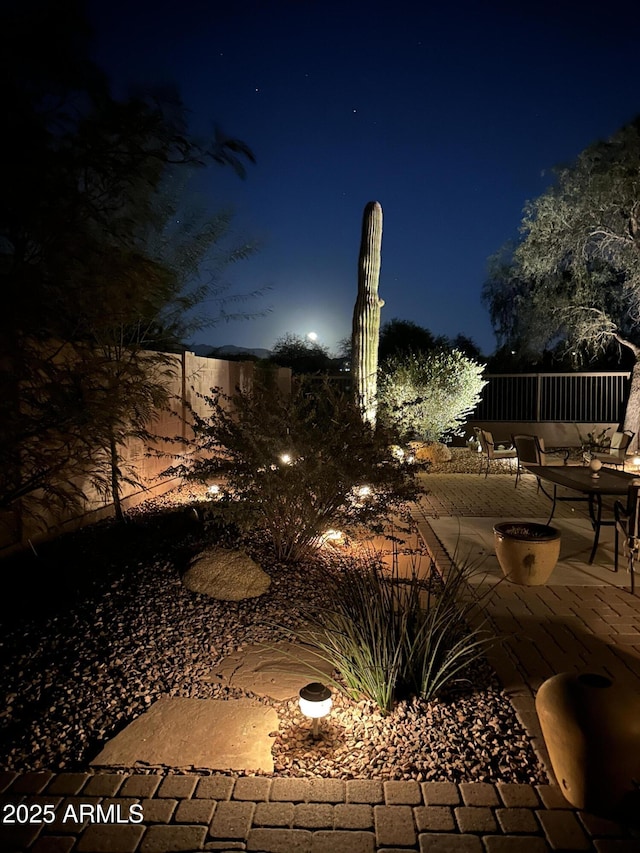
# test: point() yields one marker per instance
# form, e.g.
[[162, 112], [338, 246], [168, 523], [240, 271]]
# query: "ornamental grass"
[[390, 637]]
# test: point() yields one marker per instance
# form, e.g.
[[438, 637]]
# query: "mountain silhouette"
[[228, 349]]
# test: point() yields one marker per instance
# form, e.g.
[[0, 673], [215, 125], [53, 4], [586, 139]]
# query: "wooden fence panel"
[[193, 377]]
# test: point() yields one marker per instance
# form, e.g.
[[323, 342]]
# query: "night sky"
[[451, 119]]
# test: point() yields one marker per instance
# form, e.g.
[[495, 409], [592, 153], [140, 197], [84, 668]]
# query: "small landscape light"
[[315, 702], [285, 458], [363, 491], [331, 536], [214, 491]]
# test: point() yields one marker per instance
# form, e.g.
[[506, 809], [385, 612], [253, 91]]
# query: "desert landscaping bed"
[[104, 627]]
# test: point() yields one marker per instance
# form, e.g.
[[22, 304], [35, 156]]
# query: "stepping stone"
[[279, 671], [186, 733], [411, 553]]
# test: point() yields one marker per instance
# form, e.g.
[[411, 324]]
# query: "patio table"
[[609, 483]]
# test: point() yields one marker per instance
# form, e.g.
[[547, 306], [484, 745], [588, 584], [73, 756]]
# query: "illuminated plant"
[[428, 396], [390, 637], [294, 465], [366, 315]]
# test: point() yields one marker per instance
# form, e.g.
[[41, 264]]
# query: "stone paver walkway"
[[192, 813], [547, 629], [544, 630]]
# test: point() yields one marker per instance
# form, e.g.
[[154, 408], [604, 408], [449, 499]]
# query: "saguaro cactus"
[[366, 315]]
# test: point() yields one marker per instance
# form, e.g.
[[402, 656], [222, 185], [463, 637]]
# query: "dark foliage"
[[89, 283], [295, 465], [301, 355]]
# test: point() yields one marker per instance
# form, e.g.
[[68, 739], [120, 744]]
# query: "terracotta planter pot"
[[591, 727], [527, 552]]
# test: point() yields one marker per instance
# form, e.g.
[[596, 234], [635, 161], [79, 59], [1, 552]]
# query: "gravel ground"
[[465, 461], [102, 627]]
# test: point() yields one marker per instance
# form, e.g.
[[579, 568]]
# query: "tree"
[[429, 395], [134, 340], [402, 337], [506, 293], [94, 270], [301, 355], [467, 346], [575, 274]]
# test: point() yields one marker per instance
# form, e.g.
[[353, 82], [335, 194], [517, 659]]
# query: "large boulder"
[[226, 575], [431, 451]]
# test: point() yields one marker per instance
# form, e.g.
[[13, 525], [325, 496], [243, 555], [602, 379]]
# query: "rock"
[[230, 734], [431, 451], [278, 670], [226, 575]]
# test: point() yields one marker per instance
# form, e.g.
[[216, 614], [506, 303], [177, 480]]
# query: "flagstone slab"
[[471, 540], [277, 671], [177, 732], [407, 555]]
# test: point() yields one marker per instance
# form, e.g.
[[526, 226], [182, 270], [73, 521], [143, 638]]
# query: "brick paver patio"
[[212, 813], [544, 630]]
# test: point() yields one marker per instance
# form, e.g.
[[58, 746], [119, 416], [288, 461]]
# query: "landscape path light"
[[334, 536], [315, 702], [360, 494]]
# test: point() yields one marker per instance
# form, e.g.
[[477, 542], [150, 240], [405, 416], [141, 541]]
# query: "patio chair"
[[627, 525], [616, 454], [490, 451], [530, 450]]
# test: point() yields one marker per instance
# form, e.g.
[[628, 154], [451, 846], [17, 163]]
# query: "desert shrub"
[[293, 465], [391, 637], [429, 395]]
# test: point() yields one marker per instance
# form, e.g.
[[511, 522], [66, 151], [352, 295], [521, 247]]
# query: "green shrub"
[[292, 465], [390, 637], [429, 395]]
